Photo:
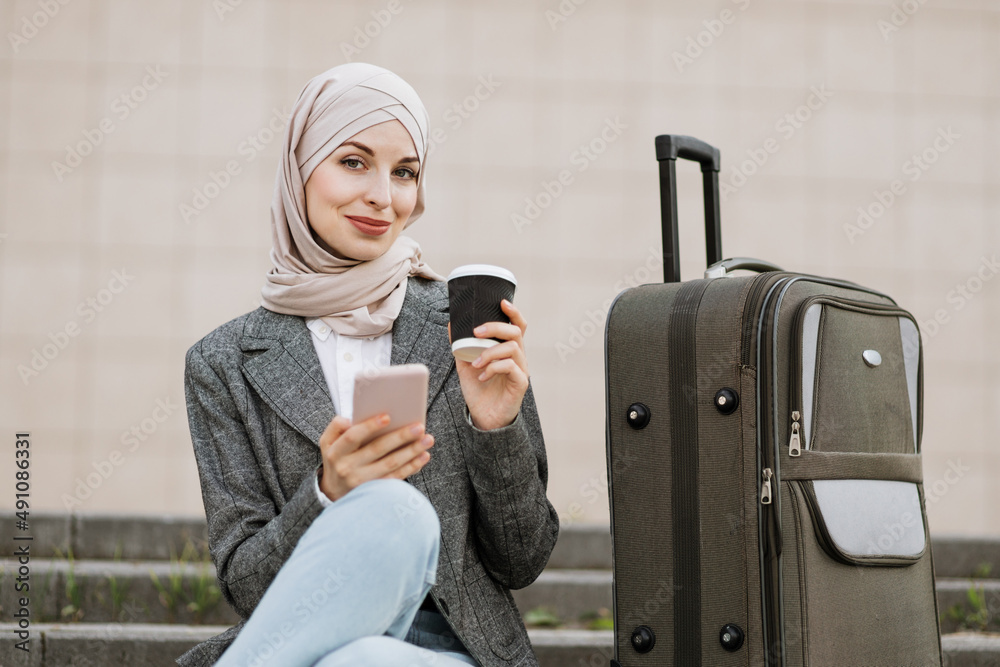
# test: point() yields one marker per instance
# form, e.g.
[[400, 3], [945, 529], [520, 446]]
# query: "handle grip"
[[670, 148], [673, 146], [720, 269]]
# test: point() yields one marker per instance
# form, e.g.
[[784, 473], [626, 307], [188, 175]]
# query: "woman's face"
[[360, 197]]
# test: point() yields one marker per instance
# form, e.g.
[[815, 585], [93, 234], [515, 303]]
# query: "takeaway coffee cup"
[[474, 294]]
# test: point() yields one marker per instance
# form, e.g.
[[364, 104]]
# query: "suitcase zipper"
[[765, 487], [773, 621], [795, 441]]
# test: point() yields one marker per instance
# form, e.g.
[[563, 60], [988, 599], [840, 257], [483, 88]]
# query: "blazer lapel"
[[286, 372], [420, 335]]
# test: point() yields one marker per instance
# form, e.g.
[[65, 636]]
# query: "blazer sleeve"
[[249, 538], [515, 524]]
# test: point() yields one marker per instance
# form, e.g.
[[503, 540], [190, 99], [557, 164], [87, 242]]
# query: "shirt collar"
[[318, 327]]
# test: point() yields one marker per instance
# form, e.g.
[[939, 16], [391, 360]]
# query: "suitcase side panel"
[[889, 611], [643, 475], [727, 484], [639, 479]]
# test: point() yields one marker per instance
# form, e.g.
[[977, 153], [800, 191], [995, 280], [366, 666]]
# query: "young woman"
[[321, 547]]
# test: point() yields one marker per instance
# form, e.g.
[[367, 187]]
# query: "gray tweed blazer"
[[257, 403]]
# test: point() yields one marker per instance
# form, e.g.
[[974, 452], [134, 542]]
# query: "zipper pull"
[[765, 489], [794, 444]]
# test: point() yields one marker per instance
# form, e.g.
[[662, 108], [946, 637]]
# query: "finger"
[[403, 456], [508, 350], [333, 430], [359, 434], [501, 330], [505, 367], [410, 468], [515, 315], [449, 333], [384, 444]]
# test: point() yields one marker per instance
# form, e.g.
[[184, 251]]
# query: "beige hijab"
[[356, 298]]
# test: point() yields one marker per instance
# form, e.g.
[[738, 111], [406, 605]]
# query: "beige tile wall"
[[225, 75]]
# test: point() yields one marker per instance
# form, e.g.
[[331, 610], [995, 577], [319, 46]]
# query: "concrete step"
[[96, 536], [141, 537], [137, 645], [569, 594], [103, 591]]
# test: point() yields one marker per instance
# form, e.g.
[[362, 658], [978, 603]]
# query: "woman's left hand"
[[494, 384]]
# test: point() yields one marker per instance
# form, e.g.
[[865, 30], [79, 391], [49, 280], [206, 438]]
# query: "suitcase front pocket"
[[866, 521], [855, 379], [840, 607]]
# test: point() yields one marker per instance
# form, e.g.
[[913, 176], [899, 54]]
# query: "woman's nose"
[[379, 194]]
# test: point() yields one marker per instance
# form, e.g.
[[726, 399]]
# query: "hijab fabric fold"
[[354, 297]]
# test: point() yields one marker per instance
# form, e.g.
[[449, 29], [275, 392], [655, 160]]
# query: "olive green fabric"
[[856, 615], [639, 470], [727, 477], [640, 332], [832, 613], [857, 408], [848, 465]]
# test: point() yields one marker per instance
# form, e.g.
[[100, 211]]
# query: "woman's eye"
[[405, 172], [351, 163]]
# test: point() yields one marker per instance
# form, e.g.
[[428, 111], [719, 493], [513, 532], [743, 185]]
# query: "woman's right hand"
[[352, 457]]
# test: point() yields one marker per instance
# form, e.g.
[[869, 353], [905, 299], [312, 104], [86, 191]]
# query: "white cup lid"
[[482, 270]]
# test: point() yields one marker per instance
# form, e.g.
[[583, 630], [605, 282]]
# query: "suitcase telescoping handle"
[[669, 147]]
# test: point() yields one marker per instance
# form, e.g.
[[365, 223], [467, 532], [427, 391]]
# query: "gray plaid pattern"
[[257, 404]]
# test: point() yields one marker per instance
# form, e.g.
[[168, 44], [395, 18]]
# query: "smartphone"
[[400, 391]]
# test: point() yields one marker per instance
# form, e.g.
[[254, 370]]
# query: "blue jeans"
[[350, 592]]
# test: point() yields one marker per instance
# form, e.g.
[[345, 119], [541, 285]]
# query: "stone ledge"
[[115, 645], [580, 546]]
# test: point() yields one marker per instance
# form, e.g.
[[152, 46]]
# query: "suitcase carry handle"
[[720, 269], [670, 147]]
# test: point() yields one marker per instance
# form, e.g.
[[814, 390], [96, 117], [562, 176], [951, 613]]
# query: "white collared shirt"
[[342, 358]]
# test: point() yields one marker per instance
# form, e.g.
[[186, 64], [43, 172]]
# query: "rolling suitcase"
[[764, 471]]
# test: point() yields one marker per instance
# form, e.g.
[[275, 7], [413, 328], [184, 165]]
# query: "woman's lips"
[[369, 226]]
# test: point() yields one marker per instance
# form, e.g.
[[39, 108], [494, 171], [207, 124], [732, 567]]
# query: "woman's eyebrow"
[[359, 146], [364, 148]]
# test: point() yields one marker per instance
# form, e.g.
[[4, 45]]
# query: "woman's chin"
[[366, 250]]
